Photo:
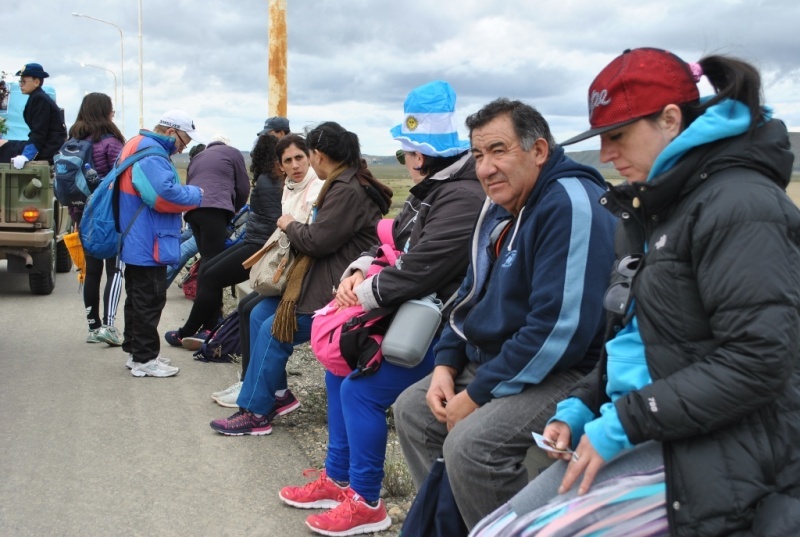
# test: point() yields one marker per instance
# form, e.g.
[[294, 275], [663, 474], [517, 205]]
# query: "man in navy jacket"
[[528, 321]]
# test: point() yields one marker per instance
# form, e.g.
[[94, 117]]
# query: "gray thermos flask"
[[414, 324]]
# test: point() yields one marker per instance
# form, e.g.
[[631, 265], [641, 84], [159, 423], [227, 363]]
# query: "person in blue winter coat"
[[152, 198], [528, 319]]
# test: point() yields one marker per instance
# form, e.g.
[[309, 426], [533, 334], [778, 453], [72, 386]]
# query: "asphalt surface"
[[87, 449]]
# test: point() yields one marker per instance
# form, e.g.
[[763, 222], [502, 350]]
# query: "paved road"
[[87, 449]]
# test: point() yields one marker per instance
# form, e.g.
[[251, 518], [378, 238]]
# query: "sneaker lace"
[[345, 510]]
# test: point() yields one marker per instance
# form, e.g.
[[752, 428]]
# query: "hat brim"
[[197, 137], [432, 145], [599, 130]]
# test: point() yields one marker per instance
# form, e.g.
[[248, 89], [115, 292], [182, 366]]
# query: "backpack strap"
[[384, 229], [121, 167]]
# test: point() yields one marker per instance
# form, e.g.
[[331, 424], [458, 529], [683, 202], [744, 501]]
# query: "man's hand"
[[586, 461], [345, 294], [560, 434], [284, 221], [441, 391], [458, 408], [19, 161]]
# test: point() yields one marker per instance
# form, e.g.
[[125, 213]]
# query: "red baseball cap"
[[634, 85]]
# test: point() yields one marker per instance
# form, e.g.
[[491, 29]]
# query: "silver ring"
[[575, 457]]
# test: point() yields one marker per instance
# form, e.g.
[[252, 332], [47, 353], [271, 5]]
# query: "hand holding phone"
[[548, 445]]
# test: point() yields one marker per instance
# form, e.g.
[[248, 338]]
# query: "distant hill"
[[590, 158]]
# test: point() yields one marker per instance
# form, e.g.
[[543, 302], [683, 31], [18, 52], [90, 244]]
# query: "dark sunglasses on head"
[[618, 297]]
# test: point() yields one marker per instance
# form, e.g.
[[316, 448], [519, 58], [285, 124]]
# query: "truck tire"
[[43, 283], [63, 259]]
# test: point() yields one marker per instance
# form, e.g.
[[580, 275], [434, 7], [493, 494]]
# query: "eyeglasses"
[[618, 297], [178, 134], [400, 155]]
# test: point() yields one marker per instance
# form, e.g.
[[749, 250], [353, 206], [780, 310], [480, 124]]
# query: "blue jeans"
[[266, 372], [357, 427], [188, 250]]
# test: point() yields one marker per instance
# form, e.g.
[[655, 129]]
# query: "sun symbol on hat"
[[411, 123]]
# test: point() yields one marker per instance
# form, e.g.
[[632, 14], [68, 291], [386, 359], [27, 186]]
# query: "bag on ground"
[[348, 341], [223, 342], [75, 176], [434, 512], [189, 283], [269, 267], [99, 229]]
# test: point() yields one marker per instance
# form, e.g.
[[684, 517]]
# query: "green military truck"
[[32, 225]]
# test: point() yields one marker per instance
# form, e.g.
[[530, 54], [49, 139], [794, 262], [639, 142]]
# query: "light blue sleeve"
[[606, 433], [575, 414]]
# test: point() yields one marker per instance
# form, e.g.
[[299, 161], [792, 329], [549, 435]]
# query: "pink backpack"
[[348, 341]]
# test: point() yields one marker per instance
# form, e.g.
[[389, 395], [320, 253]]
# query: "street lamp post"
[[110, 71], [121, 60]]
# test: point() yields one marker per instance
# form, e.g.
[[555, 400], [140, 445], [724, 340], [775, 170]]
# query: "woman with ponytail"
[[690, 423], [342, 226]]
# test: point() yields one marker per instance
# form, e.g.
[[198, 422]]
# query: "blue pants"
[[357, 429], [266, 372]]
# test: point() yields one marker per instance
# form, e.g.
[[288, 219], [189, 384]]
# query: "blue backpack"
[[223, 342], [75, 176], [99, 229]]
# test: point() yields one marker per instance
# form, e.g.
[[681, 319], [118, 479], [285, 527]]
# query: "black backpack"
[[223, 342], [75, 177]]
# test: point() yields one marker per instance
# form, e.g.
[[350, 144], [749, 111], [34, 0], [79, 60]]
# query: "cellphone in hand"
[[548, 445]]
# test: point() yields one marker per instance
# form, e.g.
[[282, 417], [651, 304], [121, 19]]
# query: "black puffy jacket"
[[265, 209], [718, 304]]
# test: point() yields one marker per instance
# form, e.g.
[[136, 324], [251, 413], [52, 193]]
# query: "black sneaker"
[[173, 338]]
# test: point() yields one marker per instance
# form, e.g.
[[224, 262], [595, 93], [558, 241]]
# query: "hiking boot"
[[154, 368], [130, 364], [322, 493], [284, 405], [352, 517], [235, 387], [193, 343], [241, 423], [92, 336], [110, 335], [173, 338], [229, 399]]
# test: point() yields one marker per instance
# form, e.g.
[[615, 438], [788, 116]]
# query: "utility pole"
[[277, 58]]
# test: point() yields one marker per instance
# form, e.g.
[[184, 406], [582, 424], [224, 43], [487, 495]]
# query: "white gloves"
[[19, 161]]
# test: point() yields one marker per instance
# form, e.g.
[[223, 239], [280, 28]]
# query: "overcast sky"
[[354, 61]]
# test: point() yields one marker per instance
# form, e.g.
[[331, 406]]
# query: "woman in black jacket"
[[698, 392], [225, 269]]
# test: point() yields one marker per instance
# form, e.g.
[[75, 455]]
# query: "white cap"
[[178, 119]]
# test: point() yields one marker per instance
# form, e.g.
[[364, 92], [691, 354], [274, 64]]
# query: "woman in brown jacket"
[[342, 226]]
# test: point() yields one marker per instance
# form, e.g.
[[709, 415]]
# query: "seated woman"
[[433, 230], [344, 216], [300, 192], [691, 421], [225, 269]]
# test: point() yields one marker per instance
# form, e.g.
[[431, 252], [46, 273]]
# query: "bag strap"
[[121, 167], [384, 230]]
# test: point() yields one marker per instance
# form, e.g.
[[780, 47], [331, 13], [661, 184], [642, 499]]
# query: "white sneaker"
[[230, 389], [154, 368], [229, 399], [110, 335], [130, 364]]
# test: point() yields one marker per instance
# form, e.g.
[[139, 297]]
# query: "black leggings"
[[210, 229], [215, 275], [91, 291], [246, 306]]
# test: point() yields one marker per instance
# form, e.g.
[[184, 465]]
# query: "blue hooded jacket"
[[538, 307]]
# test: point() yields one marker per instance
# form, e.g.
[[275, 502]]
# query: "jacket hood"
[[765, 150], [558, 166]]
